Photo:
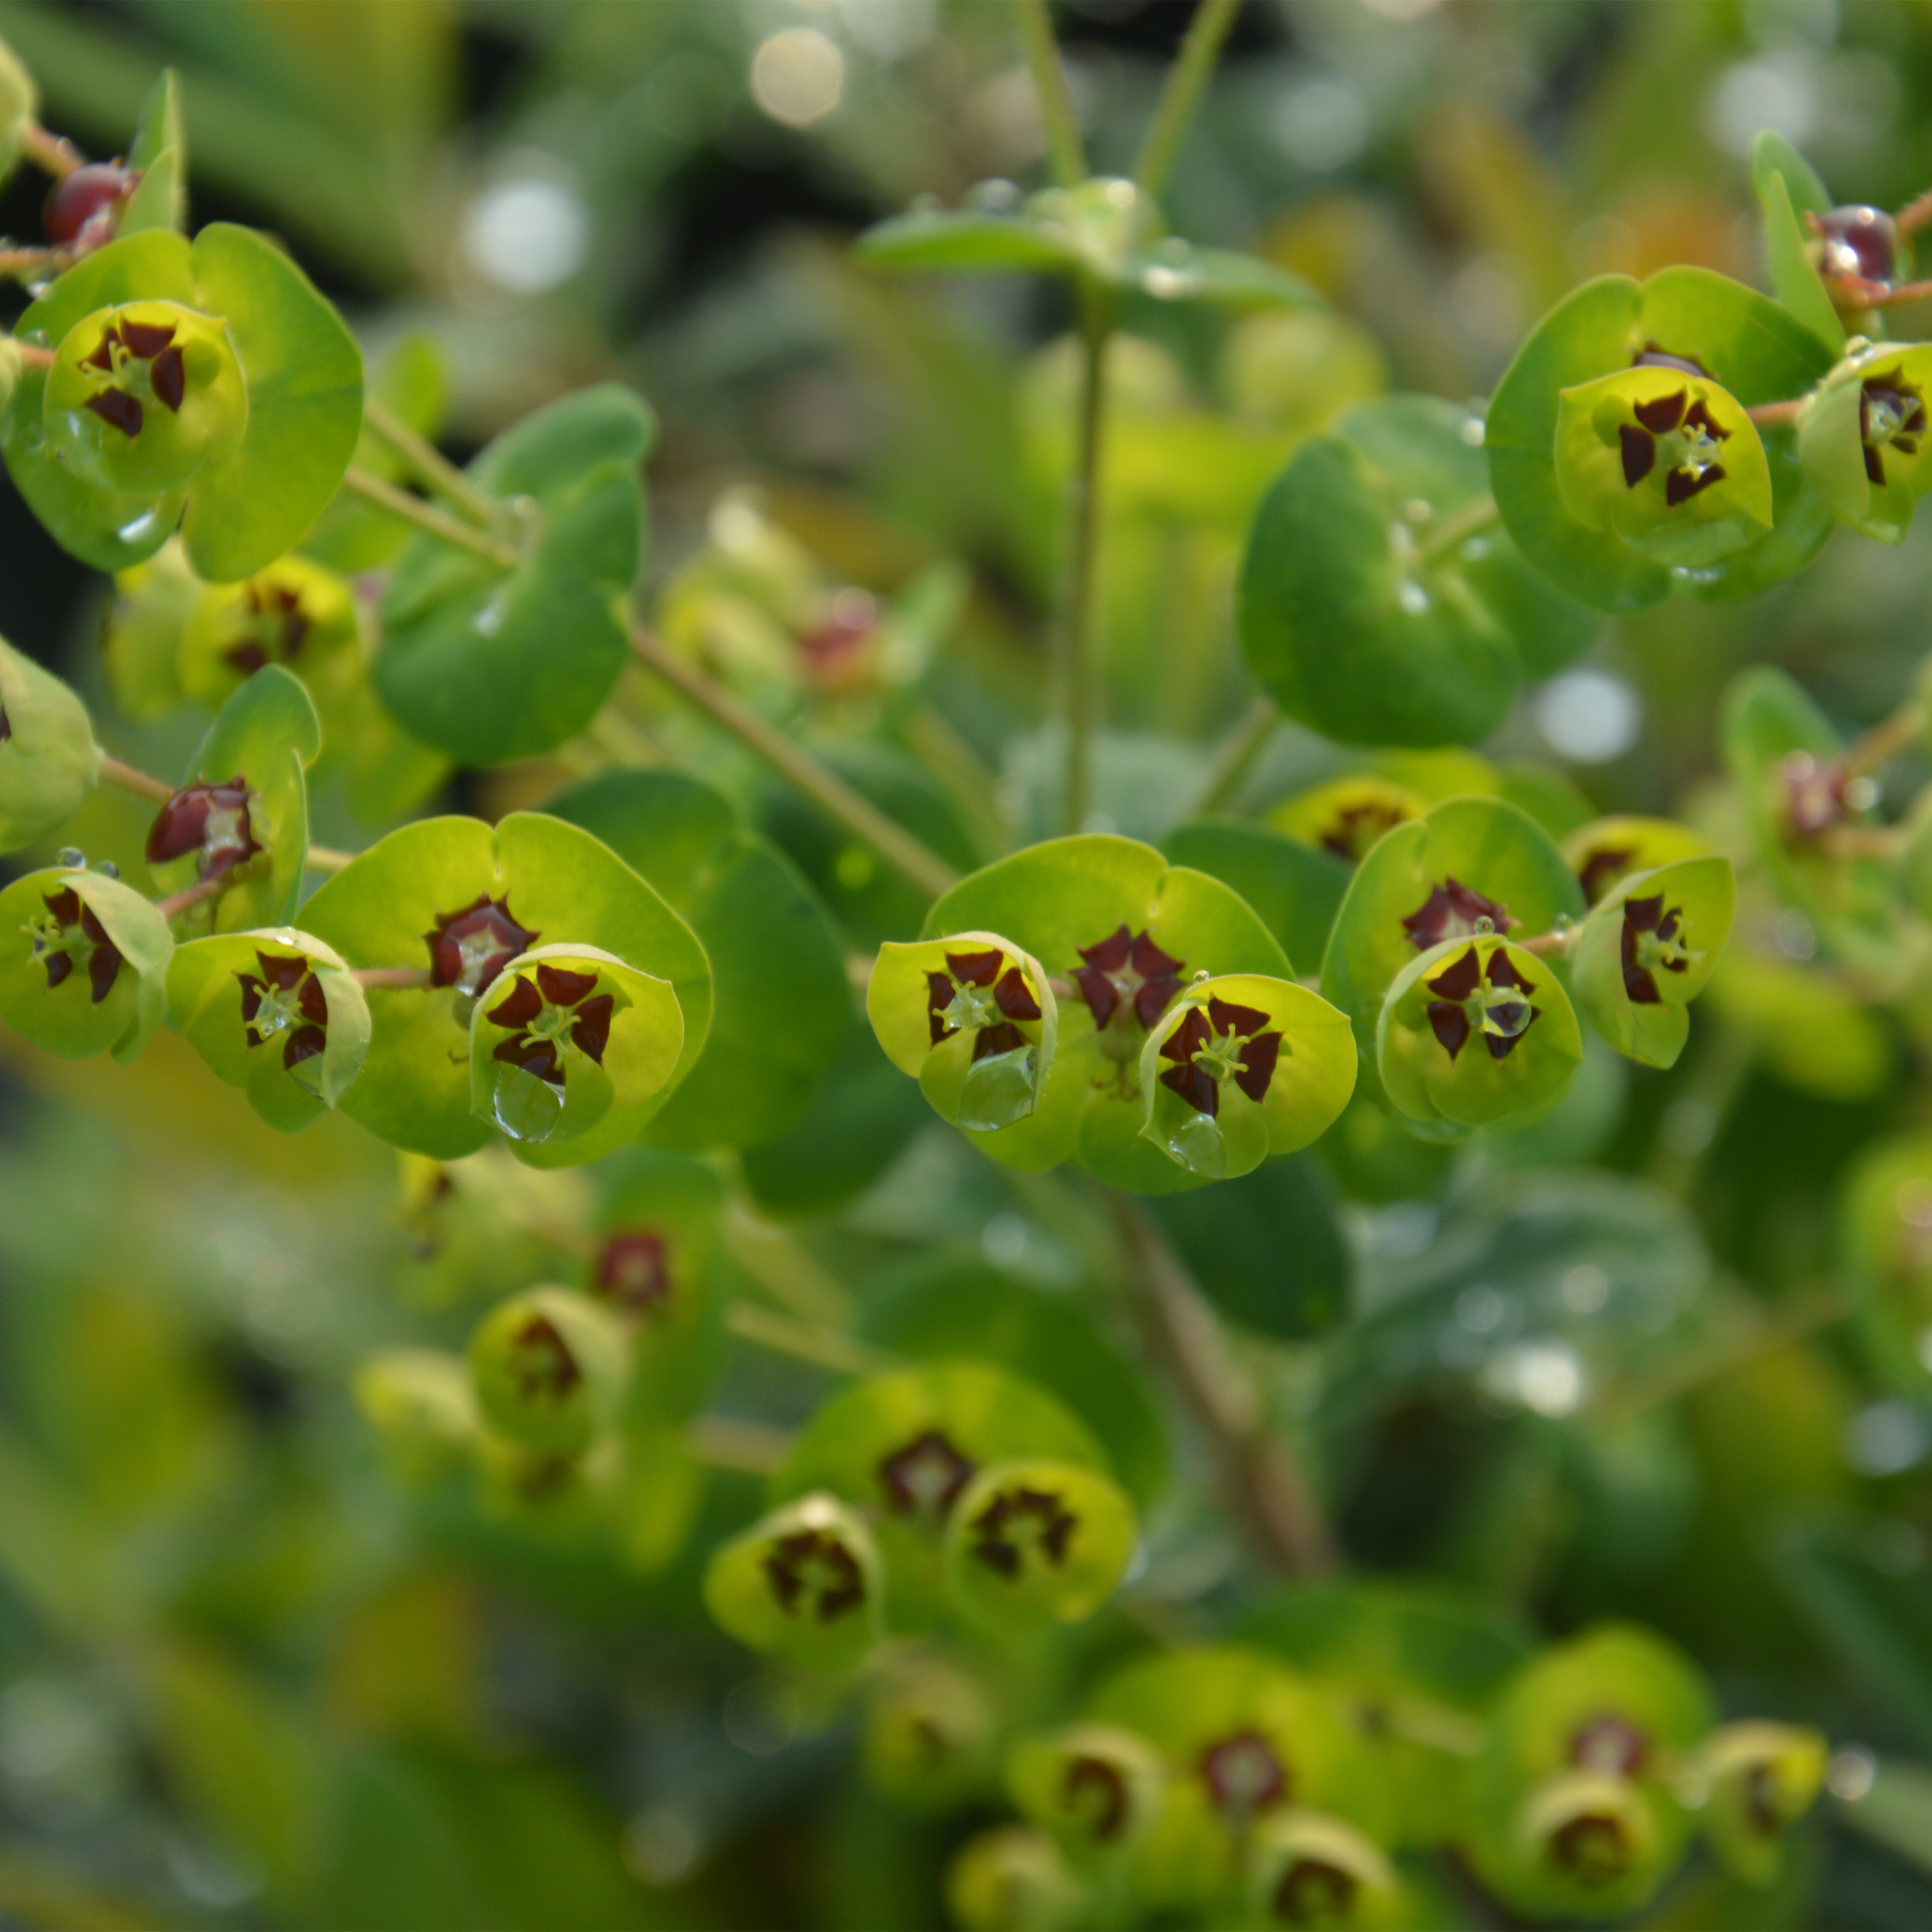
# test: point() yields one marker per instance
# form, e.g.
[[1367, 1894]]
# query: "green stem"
[[430, 464], [34, 265], [1077, 680], [1890, 736], [1858, 297], [1264, 1481], [1235, 755], [1914, 215], [786, 1270], [785, 1335], [53, 154], [111, 771], [427, 518], [1470, 521], [1187, 82], [1056, 102], [1777, 415], [825, 788]]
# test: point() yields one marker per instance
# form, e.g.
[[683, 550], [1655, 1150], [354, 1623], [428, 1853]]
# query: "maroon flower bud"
[[212, 821], [1244, 1776], [1611, 1743], [83, 208], [470, 947], [1127, 968], [1857, 243], [1453, 911], [633, 1270], [925, 1478]]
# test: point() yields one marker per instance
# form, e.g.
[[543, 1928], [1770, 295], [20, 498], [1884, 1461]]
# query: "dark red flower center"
[[1313, 1892], [812, 1573], [276, 627], [1892, 415], [1603, 867], [1020, 1519], [1679, 431], [1244, 1775], [924, 1478], [543, 1014], [633, 1269], [1226, 1042], [213, 821], [1356, 828], [121, 345], [1127, 971], [1653, 943], [1500, 1011], [470, 947], [71, 933], [286, 999], [540, 1362], [980, 993], [1095, 1790], [1595, 1849]]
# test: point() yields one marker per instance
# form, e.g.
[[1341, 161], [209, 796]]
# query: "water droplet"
[[140, 527], [1121, 194], [996, 196], [1412, 597], [999, 1090], [1168, 284], [1418, 509], [526, 1108], [1472, 432], [1474, 549], [1484, 923], [107, 868], [73, 857], [488, 621], [1199, 1146]]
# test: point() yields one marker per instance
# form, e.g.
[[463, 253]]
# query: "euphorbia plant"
[[1423, 959]]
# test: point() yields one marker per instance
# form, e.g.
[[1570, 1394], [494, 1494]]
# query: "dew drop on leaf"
[[526, 1108]]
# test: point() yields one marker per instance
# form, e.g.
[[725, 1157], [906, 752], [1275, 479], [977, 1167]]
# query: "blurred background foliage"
[[245, 1680]]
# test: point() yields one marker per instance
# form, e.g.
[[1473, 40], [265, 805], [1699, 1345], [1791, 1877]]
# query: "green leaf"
[[567, 1040], [1896, 1811], [161, 201], [1174, 271], [1488, 847], [947, 1305], [47, 752], [1873, 1610], [1097, 894], [275, 1012], [1755, 351], [303, 375], [1267, 1249], [1295, 887], [159, 129], [1242, 1067], [1647, 949], [783, 1004], [966, 241], [19, 102], [858, 1121], [80, 975], [1030, 1544], [489, 664], [1786, 187], [558, 884], [266, 736]]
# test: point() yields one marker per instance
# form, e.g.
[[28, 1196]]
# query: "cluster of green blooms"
[[628, 977]]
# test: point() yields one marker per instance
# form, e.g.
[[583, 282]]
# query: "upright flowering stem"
[[1077, 680], [430, 466], [1187, 82], [1266, 1484], [427, 518], [1056, 103]]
